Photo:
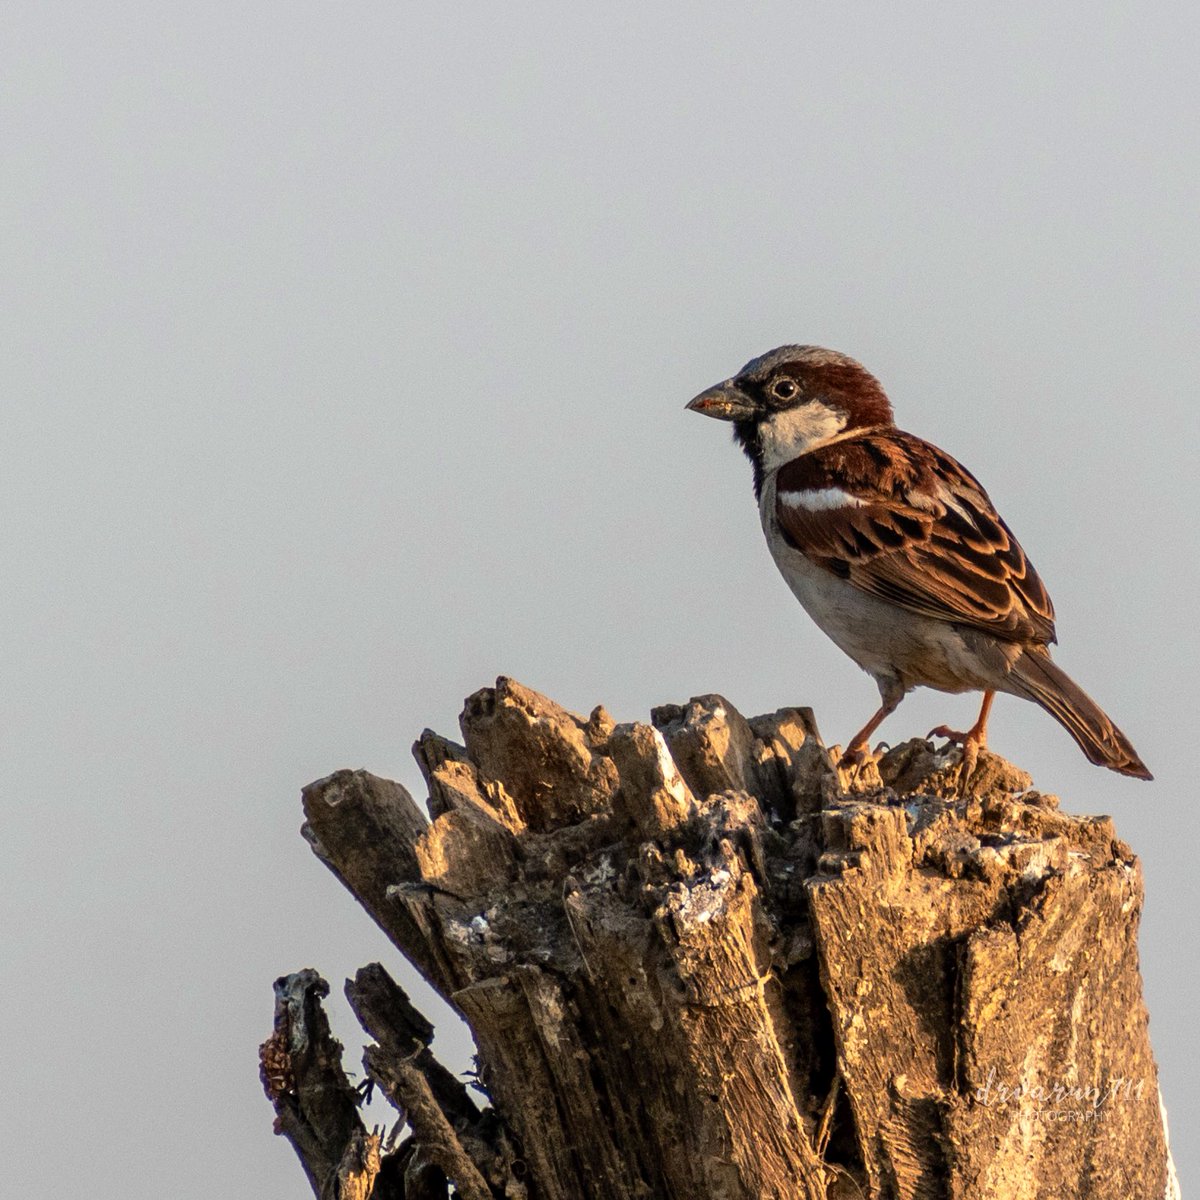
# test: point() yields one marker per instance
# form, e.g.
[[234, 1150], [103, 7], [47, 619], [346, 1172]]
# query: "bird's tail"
[[1034, 675]]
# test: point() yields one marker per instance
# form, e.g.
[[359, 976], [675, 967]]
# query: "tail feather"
[[1034, 675]]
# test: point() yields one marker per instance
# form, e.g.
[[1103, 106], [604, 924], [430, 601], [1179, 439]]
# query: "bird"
[[896, 552]]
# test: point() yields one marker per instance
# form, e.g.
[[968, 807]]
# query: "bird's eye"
[[784, 389]]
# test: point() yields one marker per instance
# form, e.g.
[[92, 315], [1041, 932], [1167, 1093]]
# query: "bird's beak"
[[726, 402]]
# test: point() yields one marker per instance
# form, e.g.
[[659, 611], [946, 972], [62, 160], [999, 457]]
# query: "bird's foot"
[[858, 768], [858, 756], [972, 741]]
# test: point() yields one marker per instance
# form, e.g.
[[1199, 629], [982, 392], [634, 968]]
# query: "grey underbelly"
[[889, 642]]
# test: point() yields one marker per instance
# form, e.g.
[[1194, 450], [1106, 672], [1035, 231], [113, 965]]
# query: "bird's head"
[[794, 399]]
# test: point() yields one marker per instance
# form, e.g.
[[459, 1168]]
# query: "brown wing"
[[901, 519]]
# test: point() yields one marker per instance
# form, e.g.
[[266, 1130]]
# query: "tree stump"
[[700, 960]]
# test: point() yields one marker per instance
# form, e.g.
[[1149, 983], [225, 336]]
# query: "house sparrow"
[[896, 552]]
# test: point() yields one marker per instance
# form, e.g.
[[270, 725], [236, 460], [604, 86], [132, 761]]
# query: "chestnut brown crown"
[[792, 376]]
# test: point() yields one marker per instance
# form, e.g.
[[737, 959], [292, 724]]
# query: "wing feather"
[[918, 530]]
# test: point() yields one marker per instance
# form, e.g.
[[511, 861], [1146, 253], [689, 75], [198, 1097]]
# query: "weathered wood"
[[386, 1013], [547, 758], [316, 1109], [409, 1090], [366, 830], [701, 959]]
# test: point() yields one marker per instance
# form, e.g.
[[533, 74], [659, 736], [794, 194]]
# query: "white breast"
[[885, 640]]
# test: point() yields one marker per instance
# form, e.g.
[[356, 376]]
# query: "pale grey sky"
[[345, 349]]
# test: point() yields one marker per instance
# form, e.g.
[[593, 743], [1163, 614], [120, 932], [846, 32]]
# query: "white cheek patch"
[[792, 432], [820, 500]]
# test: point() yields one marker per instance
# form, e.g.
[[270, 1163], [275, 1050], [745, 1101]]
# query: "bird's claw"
[[858, 769], [951, 735], [971, 742], [857, 757]]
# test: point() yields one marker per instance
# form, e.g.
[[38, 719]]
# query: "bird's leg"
[[858, 749], [973, 740]]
